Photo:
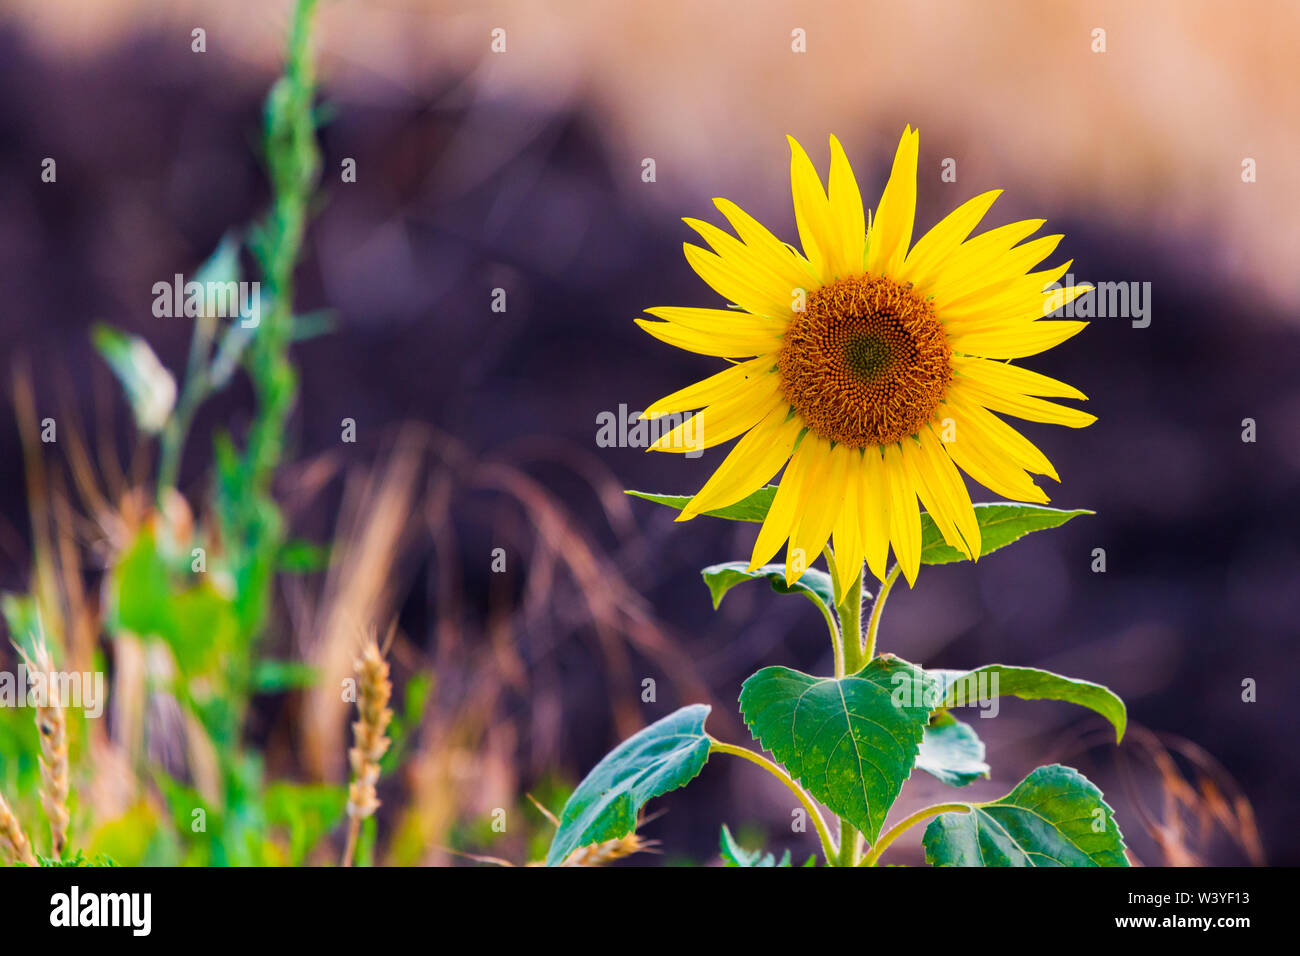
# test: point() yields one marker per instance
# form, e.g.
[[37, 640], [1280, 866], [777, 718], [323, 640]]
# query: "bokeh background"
[[522, 170]]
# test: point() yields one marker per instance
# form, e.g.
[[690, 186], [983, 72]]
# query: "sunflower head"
[[871, 369]]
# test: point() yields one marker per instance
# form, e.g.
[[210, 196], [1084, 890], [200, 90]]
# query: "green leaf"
[[272, 677], [664, 756], [815, 585], [1054, 817], [304, 557], [1000, 525], [753, 508], [964, 688], [851, 742], [146, 595], [149, 387], [222, 266], [733, 854], [952, 751]]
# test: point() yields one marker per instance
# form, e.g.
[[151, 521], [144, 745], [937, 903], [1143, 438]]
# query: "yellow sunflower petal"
[[822, 498], [732, 335], [999, 376], [847, 214], [753, 290], [723, 421], [730, 381], [750, 465], [989, 430], [904, 516], [891, 226], [812, 214], [1009, 402], [973, 258], [1017, 341], [942, 492], [774, 254], [1010, 267], [940, 242], [1025, 299], [873, 512], [847, 533], [785, 506], [985, 465]]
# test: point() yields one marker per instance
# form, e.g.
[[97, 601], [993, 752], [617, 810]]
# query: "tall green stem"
[[848, 607], [850, 612], [837, 635]]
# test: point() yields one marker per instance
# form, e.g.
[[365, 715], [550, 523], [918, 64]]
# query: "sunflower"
[[872, 369]]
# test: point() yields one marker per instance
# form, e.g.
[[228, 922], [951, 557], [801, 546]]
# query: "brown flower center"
[[866, 362]]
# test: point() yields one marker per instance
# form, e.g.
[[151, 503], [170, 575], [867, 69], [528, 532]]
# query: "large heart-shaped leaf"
[[815, 585], [966, 688], [850, 742], [1054, 817], [952, 751], [664, 756], [1000, 525]]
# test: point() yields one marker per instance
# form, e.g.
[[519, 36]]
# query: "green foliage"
[[664, 756], [815, 585], [149, 595], [1029, 683], [149, 387], [76, 860], [306, 811], [752, 508], [733, 854], [951, 751], [850, 742], [1000, 525], [1054, 817]]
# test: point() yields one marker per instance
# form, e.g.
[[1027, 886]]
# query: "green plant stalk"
[[828, 846], [293, 161], [894, 832], [850, 613], [849, 610], [837, 637], [251, 522]]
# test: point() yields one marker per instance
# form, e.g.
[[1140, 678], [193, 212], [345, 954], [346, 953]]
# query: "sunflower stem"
[[848, 855], [850, 612], [838, 640]]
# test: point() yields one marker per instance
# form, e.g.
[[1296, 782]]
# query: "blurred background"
[[522, 170]]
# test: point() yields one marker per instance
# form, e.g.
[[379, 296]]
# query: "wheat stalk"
[[53, 727], [370, 740], [12, 837], [598, 854]]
